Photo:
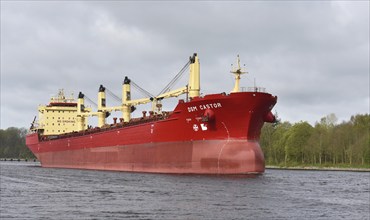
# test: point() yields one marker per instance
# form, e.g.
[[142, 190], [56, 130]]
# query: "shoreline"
[[18, 160], [268, 167], [312, 168]]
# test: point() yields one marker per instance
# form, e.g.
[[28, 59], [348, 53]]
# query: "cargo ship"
[[204, 134]]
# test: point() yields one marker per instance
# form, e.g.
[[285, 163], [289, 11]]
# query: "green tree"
[[273, 140], [13, 144], [266, 142], [327, 143], [296, 142], [361, 127]]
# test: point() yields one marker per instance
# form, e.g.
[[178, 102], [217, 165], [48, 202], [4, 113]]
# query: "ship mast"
[[126, 97], [194, 77], [237, 71]]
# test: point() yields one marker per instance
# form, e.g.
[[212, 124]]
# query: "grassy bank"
[[336, 167], [19, 159]]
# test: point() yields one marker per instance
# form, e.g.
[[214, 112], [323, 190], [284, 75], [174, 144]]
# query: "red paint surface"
[[181, 143]]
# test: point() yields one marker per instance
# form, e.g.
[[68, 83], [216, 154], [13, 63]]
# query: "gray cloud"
[[313, 55]]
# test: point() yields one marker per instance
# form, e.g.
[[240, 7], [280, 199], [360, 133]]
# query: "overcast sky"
[[313, 55]]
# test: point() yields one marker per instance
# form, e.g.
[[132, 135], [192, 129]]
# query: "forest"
[[346, 144], [327, 143], [13, 144]]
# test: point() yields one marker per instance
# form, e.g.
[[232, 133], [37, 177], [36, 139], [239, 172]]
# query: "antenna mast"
[[237, 71]]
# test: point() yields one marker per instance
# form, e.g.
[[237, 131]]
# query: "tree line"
[[324, 144], [284, 144], [13, 144]]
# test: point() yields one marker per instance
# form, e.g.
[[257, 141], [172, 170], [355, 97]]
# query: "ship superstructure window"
[[58, 118]]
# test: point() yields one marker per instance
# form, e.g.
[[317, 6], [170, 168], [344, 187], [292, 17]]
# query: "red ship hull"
[[215, 134]]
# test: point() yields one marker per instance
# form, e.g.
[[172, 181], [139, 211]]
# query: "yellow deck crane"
[[193, 90]]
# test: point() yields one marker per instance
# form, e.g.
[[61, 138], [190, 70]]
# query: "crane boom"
[[173, 93], [192, 89]]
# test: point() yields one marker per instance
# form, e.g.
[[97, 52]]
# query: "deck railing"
[[253, 89]]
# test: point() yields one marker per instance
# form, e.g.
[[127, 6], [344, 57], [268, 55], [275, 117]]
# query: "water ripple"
[[30, 192]]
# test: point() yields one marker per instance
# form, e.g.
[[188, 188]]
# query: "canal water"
[[31, 192]]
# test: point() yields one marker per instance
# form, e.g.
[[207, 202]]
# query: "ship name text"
[[204, 107], [66, 121]]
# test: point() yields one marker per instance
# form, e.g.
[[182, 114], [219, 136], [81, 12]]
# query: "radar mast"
[[237, 71]]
